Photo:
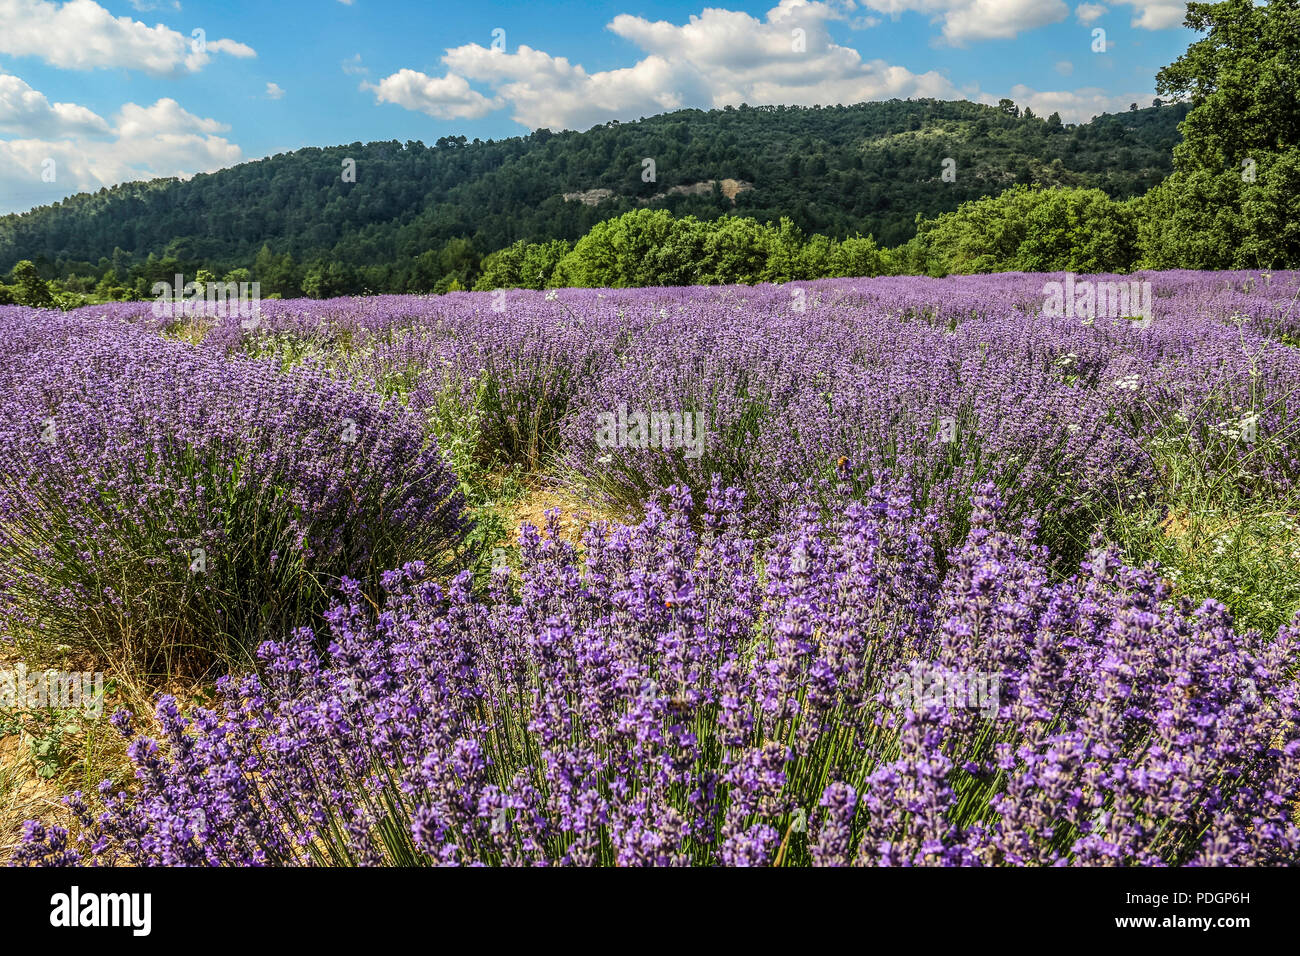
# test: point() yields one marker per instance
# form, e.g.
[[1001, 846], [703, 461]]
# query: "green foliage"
[[1031, 229], [1025, 228], [29, 288], [46, 733], [786, 254], [642, 248], [1078, 230], [327, 281], [110, 289], [523, 265], [650, 247], [859, 256], [1201, 219], [735, 250], [1241, 77], [1233, 200], [417, 214]]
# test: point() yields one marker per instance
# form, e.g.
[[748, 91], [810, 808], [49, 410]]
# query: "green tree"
[[1031, 229], [1241, 79], [858, 256], [502, 269], [785, 262], [1203, 220], [29, 288], [110, 288], [315, 283], [641, 248], [1077, 230], [736, 250], [540, 262], [1232, 200]]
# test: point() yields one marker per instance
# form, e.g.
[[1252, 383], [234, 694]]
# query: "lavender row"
[[659, 700], [156, 496]]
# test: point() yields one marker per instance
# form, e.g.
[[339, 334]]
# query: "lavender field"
[[888, 571]]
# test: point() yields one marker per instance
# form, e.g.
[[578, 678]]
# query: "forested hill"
[[869, 169]]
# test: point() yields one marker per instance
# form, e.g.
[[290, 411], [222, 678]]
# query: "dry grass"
[[24, 795], [191, 329], [35, 777], [576, 514]]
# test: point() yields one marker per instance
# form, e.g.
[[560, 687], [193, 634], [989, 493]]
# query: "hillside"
[[869, 168]]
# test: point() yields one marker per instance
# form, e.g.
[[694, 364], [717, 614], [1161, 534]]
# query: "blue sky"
[[95, 92]]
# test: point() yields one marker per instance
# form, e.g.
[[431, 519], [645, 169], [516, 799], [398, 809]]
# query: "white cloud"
[[1088, 12], [27, 112], [165, 118], [718, 58], [1075, 106], [443, 97], [274, 91], [82, 35], [232, 48], [965, 20], [1148, 14], [352, 65], [142, 142], [1158, 15], [1064, 67]]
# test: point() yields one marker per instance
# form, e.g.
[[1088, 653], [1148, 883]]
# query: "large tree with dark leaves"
[[1233, 199]]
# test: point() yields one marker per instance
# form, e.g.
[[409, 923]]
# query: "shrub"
[[169, 508], [658, 701], [1031, 229]]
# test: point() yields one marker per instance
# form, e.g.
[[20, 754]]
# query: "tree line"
[[1209, 182]]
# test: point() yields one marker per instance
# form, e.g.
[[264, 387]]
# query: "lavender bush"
[[1061, 413], [157, 503], [664, 699], [896, 610]]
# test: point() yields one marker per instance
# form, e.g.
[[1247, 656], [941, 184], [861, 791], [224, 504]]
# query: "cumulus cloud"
[[232, 48], [1158, 16], [1148, 14], [142, 142], [82, 35], [443, 97], [27, 112], [1088, 12], [965, 20], [718, 58], [274, 91]]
